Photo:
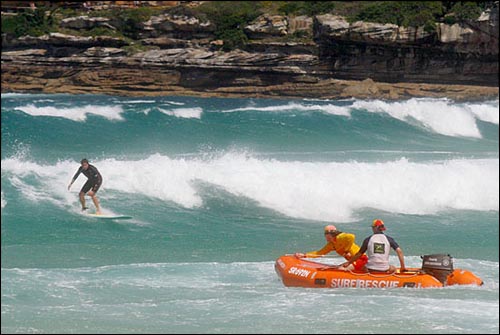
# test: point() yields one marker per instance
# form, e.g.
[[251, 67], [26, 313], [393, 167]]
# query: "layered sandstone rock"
[[359, 59]]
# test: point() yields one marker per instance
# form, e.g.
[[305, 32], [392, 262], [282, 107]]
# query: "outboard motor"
[[438, 265]]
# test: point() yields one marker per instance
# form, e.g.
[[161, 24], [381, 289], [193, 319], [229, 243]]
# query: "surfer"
[[91, 186], [343, 244]]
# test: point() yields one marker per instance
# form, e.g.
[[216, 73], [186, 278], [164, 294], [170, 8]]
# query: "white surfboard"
[[109, 216]]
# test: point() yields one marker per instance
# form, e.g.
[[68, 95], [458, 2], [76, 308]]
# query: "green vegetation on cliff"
[[230, 17], [32, 23], [402, 13]]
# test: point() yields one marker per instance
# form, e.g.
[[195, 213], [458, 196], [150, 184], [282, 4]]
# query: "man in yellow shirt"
[[343, 244]]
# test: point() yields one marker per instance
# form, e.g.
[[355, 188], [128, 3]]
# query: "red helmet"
[[378, 224]]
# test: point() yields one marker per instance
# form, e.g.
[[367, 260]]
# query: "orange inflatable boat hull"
[[299, 272]]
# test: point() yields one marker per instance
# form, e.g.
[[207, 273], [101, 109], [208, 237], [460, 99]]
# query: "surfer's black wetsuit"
[[94, 178]]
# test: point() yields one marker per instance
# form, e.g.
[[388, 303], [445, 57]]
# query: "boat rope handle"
[[415, 273]]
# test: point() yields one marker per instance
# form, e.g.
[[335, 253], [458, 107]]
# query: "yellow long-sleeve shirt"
[[343, 244]]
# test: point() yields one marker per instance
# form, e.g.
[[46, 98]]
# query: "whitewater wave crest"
[[329, 191]]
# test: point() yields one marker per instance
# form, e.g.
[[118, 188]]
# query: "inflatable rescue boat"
[[437, 271]]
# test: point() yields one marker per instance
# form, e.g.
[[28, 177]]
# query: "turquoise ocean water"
[[220, 188]]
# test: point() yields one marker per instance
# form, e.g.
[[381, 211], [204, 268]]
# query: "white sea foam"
[[175, 103], [75, 113], [487, 112], [20, 95], [189, 113], [297, 107], [4, 202], [38, 182], [138, 101], [44, 100], [228, 298], [329, 191], [146, 111], [441, 116]]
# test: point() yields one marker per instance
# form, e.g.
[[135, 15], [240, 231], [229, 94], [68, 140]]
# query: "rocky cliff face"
[[454, 54], [343, 59]]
